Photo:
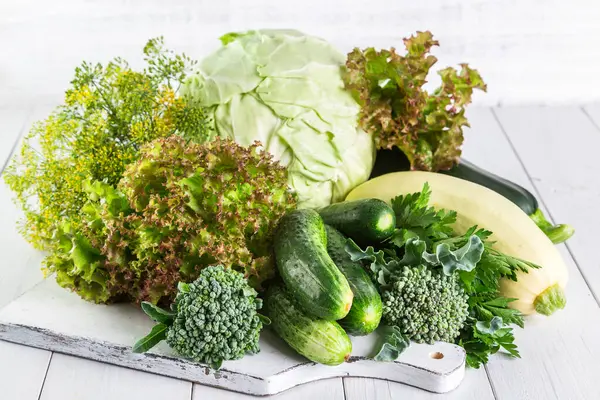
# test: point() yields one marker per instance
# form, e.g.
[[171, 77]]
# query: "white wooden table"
[[550, 150]]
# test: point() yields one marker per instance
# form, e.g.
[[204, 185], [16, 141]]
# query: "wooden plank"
[[22, 371], [331, 389], [559, 148], [12, 124], [20, 264], [593, 112], [72, 378], [474, 387], [560, 353]]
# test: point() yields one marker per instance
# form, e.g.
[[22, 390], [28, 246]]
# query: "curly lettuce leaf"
[[464, 258], [380, 264], [396, 109]]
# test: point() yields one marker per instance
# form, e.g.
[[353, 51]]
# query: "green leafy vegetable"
[[484, 338], [415, 253], [493, 265], [486, 305], [392, 343], [180, 208], [109, 113], [415, 218], [464, 258], [380, 268], [284, 89], [425, 258], [396, 109]]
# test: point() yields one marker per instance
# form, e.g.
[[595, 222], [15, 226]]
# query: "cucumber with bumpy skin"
[[309, 273], [366, 221], [365, 314], [318, 340]]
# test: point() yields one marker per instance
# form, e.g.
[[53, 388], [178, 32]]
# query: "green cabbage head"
[[285, 89]]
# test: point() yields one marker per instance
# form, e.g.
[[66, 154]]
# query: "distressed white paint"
[[22, 371], [528, 51], [72, 378], [559, 148], [560, 353], [49, 317]]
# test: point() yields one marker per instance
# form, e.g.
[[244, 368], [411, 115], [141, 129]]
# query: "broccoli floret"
[[426, 305], [216, 318]]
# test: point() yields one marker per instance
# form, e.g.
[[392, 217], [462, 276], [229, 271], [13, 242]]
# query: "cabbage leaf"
[[285, 89]]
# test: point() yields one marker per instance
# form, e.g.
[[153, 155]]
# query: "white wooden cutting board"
[[51, 318]]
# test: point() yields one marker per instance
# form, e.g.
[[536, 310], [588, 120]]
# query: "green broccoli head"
[[216, 318], [425, 304]]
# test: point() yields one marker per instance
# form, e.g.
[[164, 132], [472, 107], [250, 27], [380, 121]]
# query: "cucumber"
[[317, 339], [366, 221], [365, 314], [515, 193], [309, 273], [394, 160]]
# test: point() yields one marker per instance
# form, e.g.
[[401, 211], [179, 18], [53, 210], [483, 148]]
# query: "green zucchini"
[[317, 339], [394, 160], [365, 314], [366, 221], [515, 193], [309, 273]]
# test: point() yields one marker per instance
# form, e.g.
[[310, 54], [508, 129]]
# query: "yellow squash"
[[540, 290]]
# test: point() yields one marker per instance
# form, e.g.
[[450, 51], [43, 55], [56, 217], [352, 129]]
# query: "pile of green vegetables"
[[201, 189], [347, 269], [402, 265]]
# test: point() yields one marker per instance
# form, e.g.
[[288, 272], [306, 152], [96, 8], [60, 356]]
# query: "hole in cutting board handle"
[[436, 355]]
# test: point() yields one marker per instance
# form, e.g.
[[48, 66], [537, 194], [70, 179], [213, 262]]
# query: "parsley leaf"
[[487, 306], [493, 265], [415, 218], [481, 339]]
